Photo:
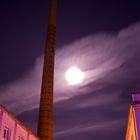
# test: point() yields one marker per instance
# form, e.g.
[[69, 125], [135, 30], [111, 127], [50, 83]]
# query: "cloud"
[[23, 94], [88, 127], [107, 60]]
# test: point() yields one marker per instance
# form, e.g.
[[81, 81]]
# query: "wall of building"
[[131, 133], [137, 118], [12, 129]]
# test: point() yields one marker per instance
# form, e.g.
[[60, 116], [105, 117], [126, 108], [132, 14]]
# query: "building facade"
[[12, 129], [133, 127]]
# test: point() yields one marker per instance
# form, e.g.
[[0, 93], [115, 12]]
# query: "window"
[[20, 138], [5, 133]]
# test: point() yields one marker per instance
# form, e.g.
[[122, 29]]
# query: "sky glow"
[[74, 76], [100, 56], [111, 66], [101, 38]]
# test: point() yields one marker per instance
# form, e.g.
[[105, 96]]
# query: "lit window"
[[20, 138], [5, 133]]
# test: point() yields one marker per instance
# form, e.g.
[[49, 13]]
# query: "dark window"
[[5, 133], [20, 138]]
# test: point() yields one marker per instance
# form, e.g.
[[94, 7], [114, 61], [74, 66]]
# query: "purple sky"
[[101, 38]]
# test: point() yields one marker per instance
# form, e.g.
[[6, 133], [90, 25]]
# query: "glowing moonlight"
[[74, 76]]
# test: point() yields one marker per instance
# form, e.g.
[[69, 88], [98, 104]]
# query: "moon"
[[74, 76]]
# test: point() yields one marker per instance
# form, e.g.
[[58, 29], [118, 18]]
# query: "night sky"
[[101, 37]]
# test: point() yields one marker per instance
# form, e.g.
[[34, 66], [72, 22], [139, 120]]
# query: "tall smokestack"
[[45, 122]]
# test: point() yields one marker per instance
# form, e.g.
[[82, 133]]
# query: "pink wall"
[[7, 121], [137, 116], [15, 128], [21, 132]]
